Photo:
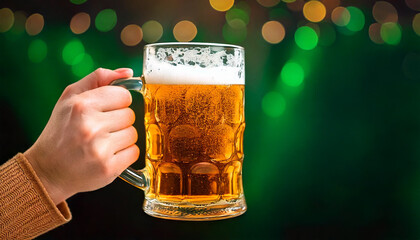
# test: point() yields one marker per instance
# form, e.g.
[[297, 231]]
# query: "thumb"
[[101, 77]]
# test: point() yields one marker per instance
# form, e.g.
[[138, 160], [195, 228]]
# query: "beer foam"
[[194, 65]]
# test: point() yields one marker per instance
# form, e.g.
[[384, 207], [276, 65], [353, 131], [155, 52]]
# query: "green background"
[[334, 157]]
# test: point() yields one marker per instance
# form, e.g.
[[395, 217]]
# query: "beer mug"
[[194, 119]]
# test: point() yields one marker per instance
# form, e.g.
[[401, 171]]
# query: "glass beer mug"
[[194, 119]]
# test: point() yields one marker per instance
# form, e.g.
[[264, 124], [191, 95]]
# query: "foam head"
[[202, 64]]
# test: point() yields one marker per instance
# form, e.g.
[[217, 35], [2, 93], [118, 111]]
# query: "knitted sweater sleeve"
[[26, 210]]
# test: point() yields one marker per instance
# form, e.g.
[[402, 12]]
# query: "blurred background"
[[332, 143]]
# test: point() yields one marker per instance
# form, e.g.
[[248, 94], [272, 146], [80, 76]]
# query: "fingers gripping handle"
[[135, 83], [137, 178]]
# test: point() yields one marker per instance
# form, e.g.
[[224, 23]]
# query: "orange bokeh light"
[[273, 32], [340, 16], [221, 5], [314, 11], [384, 12], [7, 19], [131, 35], [80, 23], [185, 31], [416, 24], [34, 24], [375, 33]]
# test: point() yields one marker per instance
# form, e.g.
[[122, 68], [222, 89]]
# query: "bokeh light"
[[314, 11], [34, 24], [73, 52], [268, 3], [357, 19], [384, 12], [243, 6], [411, 65], [296, 6], [391, 33], [78, 2], [185, 31], [152, 31], [84, 66], [236, 13], [292, 74], [375, 33], [314, 26], [273, 104], [7, 19], [18, 28], [37, 51], [306, 38], [413, 4], [106, 20], [131, 35], [327, 34], [416, 24], [80, 23], [273, 32], [234, 33], [340, 16], [221, 5]]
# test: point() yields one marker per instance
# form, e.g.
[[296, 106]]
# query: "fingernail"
[[124, 70]]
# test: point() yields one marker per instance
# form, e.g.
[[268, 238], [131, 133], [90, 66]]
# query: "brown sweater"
[[26, 210]]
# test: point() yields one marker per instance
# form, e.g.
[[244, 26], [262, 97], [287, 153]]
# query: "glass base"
[[194, 212]]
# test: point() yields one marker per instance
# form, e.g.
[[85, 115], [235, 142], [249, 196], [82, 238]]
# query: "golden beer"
[[194, 142], [194, 118]]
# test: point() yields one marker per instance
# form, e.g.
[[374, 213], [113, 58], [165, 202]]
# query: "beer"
[[194, 118], [194, 142]]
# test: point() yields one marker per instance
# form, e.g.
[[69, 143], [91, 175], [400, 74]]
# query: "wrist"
[[35, 157]]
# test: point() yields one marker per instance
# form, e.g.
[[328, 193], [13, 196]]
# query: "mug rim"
[[194, 44]]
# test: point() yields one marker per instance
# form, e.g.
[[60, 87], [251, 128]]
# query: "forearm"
[[26, 210]]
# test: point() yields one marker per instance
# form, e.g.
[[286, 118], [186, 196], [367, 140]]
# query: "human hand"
[[89, 139]]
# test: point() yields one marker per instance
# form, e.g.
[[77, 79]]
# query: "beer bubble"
[[168, 102], [200, 101], [184, 143], [219, 142], [232, 104]]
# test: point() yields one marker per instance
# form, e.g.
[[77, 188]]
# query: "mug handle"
[[137, 178]]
